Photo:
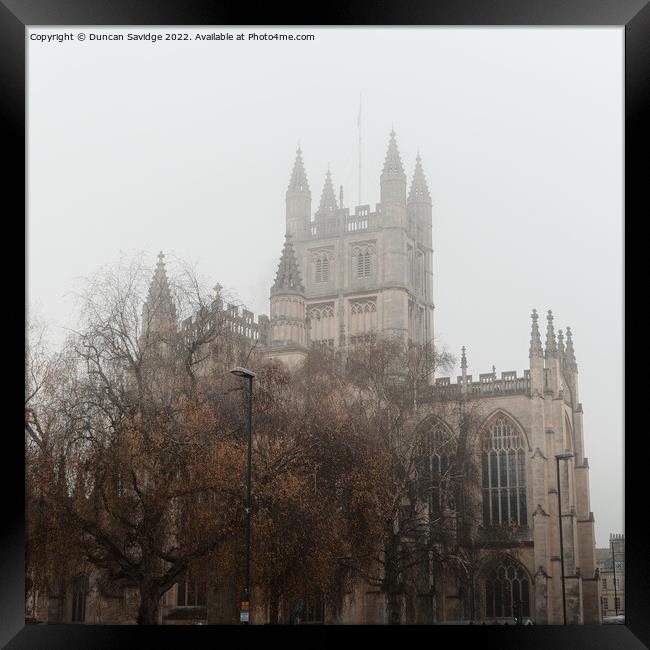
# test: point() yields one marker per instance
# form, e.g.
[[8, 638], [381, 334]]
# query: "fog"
[[187, 147]]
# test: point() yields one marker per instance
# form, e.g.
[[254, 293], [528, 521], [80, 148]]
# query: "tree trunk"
[[149, 605], [472, 599], [393, 590], [274, 609]]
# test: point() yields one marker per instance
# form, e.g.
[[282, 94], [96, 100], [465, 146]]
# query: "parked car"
[[614, 620]]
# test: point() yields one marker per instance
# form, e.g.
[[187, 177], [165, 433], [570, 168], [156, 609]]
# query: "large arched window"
[[322, 324], [504, 474], [363, 319], [507, 591], [435, 455]]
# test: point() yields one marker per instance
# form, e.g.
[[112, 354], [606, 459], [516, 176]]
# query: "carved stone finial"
[[535, 339], [570, 352], [298, 183], [393, 168], [328, 205], [551, 345], [419, 192]]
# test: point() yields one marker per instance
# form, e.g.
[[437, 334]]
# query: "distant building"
[[611, 580]]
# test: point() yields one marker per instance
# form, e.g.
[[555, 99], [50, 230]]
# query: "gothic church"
[[345, 277]]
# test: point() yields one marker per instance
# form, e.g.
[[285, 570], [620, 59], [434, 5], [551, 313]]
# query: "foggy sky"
[[188, 147]]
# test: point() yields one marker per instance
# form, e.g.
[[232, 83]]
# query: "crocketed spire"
[[463, 359], [159, 305], [551, 346], [328, 205], [393, 168], [298, 182], [419, 192], [535, 339], [570, 352], [288, 276], [560, 346]]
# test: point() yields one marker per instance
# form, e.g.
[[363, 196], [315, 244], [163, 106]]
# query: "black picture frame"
[[16, 15]]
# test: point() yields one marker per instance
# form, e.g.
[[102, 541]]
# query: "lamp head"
[[243, 372], [565, 455]]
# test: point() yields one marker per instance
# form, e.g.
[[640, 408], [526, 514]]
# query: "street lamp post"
[[249, 375], [558, 457], [611, 544]]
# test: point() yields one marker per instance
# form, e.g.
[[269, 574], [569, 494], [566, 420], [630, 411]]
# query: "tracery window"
[[362, 260], [504, 474], [321, 261], [322, 323], [435, 456], [363, 317], [507, 591]]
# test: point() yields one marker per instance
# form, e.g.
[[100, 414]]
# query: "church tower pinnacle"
[[159, 311], [419, 192], [535, 339], [551, 346], [463, 370], [289, 336], [393, 178], [328, 205], [571, 363], [419, 206], [536, 355], [298, 199], [287, 278]]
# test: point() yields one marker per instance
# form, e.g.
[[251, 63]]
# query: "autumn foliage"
[[136, 457]]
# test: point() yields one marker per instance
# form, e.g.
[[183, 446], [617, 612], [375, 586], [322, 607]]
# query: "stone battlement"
[[343, 222], [487, 384], [236, 319]]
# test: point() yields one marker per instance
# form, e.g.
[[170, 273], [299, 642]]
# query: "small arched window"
[[507, 591], [321, 264], [504, 474], [362, 260]]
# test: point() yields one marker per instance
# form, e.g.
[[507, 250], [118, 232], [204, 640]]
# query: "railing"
[[342, 223], [517, 386], [488, 384], [360, 221]]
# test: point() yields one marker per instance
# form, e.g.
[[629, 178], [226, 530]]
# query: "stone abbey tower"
[[345, 277]]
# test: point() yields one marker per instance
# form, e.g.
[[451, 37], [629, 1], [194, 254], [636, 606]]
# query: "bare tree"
[[432, 435], [131, 451]]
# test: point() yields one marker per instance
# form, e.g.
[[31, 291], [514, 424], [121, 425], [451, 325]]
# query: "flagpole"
[[359, 127]]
